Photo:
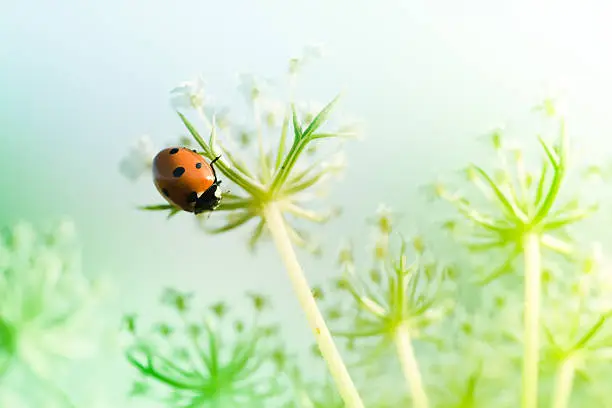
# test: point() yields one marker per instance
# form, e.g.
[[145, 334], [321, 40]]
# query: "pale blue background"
[[80, 80]]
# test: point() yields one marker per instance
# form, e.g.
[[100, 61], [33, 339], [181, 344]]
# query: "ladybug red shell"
[[186, 180]]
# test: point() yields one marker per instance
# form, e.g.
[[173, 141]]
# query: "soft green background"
[[80, 80]]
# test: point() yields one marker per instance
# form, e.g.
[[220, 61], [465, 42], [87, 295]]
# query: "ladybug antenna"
[[212, 166]]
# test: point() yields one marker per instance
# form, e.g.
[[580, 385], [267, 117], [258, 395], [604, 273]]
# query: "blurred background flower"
[[477, 355], [209, 359], [47, 313]]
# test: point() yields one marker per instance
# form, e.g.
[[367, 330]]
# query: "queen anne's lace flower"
[[46, 306], [272, 189]]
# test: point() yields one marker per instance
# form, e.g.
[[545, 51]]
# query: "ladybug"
[[186, 180]]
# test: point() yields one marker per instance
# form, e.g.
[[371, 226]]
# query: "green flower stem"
[[564, 382], [533, 276], [344, 383], [410, 366]]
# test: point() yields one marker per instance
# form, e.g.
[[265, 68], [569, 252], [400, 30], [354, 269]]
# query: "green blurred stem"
[[303, 292], [533, 272], [410, 366], [304, 400], [564, 382]]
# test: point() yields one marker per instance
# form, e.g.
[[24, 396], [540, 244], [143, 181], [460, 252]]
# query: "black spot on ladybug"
[[178, 172], [174, 151], [192, 197], [198, 165], [194, 150], [165, 192]]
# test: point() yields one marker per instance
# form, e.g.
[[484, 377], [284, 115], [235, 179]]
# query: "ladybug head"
[[209, 200]]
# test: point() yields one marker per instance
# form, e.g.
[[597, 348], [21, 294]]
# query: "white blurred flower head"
[[309, 54], [554, 92], [384, 210], [188, 94], [139, 159], [308, 110], [251, 86], [513, 145], [272, 110], [595, 286]]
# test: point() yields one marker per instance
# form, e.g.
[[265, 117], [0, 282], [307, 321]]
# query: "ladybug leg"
[[205, 216], [212, 166]]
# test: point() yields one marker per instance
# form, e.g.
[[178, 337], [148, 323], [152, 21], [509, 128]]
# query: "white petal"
[[139, 158], [188, 94], [181, 101]]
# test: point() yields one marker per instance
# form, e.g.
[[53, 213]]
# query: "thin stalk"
[[564, 382], [331, 355], [204, 117], [265, 171], [533, 277], [200, 369], [410, 366]]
